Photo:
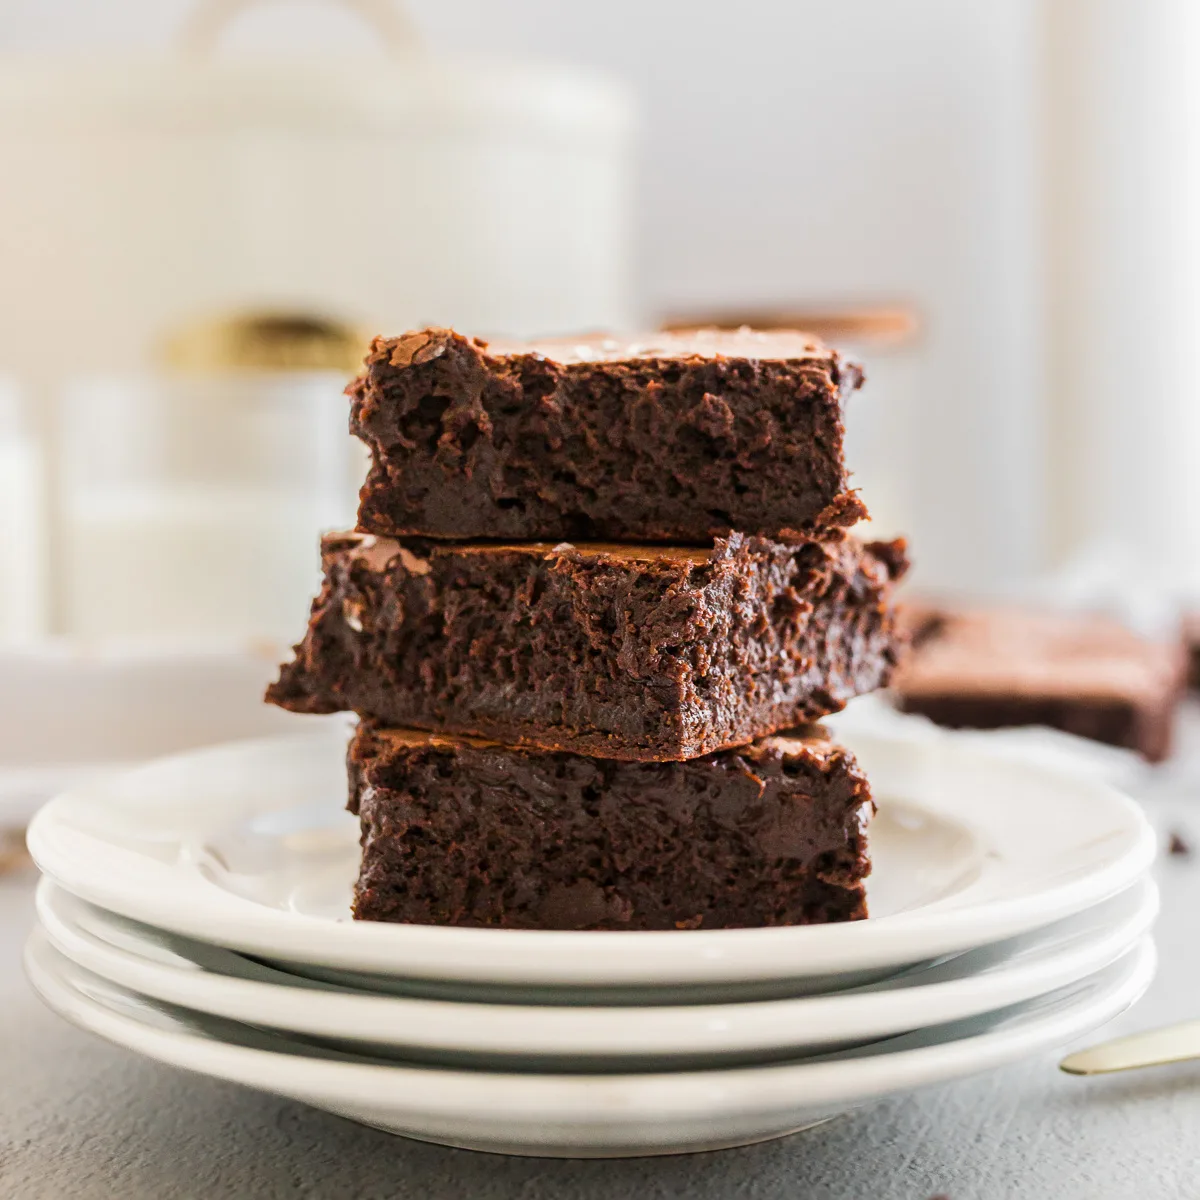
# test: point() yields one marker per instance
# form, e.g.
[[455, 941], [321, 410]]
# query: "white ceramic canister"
[[148, 201], [142, 195]]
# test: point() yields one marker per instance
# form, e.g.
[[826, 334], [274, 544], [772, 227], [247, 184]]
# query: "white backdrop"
[[798, 151], [1123, 177]]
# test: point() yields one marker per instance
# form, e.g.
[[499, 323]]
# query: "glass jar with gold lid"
[[193, 498]]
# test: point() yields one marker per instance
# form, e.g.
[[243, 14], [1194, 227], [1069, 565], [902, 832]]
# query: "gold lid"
[[266, 341]]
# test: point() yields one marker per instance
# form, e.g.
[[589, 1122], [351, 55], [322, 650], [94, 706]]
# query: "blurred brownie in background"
[[1191, 636], [1081, 673]]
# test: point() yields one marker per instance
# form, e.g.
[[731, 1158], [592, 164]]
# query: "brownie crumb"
[[1178, 845]]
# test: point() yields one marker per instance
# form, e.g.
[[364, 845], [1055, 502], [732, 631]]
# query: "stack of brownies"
[[597, 592]]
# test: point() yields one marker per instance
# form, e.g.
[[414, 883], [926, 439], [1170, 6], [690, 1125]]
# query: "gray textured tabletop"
[[81, 1118]]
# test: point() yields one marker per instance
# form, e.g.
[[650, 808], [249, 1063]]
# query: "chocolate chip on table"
[[1178, 845]]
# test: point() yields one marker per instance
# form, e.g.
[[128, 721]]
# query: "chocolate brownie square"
[[674, 438], [460, 831], [1082, 673], [629, 652]]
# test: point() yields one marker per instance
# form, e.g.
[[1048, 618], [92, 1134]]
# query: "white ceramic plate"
[[581, 1115], [221, 983], [247, 846]]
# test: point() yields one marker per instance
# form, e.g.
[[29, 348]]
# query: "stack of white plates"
[[197, 911]]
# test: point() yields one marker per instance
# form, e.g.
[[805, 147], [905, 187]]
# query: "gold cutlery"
[[1153, 1048]]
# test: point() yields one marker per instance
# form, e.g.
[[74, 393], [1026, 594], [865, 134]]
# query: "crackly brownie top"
[[750, 345], [806, 741], [993, 651], [379, 554], [376, 551]]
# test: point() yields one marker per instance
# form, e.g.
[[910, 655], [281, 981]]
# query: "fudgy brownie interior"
[[671, 438], [459, 831], [652, 653]]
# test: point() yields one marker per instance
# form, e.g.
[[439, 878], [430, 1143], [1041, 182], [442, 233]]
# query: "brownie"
[[629, 652], [918, 621], [674, 438], [1082, 673], [1191, 637], [460, 831]]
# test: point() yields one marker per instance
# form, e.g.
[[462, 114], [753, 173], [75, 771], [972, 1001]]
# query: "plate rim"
[[471, 1028], [209, 913], [564, 1098]]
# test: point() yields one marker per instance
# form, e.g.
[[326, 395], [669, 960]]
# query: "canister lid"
[[195, 89], [414, 93], [265, 341]]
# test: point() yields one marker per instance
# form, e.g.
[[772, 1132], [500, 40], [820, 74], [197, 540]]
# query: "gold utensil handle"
[[209, 18], [1155, 1047]]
